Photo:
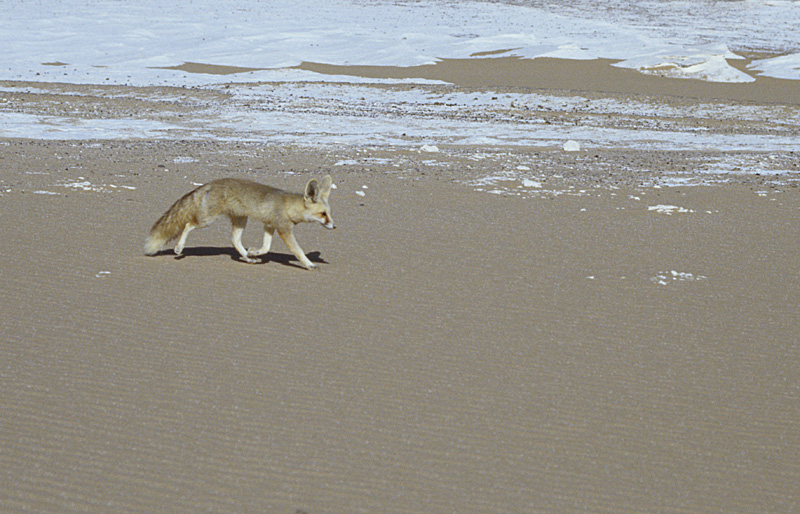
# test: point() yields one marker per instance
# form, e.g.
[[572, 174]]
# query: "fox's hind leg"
[[238, 223], [252, 252], [199, 221], [182, 240]]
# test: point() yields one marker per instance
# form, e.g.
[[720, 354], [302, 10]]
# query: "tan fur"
[[239, 199]]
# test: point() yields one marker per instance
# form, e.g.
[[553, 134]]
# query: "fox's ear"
[[312, 190], [325, 187]]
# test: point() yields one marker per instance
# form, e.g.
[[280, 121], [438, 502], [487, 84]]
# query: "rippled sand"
[[567, 338]]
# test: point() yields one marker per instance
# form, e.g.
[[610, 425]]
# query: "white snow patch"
[[664, 278], [668, 209]]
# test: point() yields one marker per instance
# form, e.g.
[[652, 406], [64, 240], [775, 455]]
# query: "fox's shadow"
[[286, 259]]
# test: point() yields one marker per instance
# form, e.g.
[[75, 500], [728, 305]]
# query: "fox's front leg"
[[252, 252], [291, 243]]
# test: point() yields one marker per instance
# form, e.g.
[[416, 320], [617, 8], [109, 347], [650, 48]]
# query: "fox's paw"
[[312, 267], [255, 252], [250, 260]]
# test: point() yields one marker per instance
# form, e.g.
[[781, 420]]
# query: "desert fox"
[[239, 199]]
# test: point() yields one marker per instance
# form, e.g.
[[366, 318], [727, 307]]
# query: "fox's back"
[[242, 197]]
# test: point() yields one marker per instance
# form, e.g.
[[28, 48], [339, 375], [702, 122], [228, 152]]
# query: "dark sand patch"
[[209, 69]]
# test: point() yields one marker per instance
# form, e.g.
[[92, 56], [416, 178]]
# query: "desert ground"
[[597, 338]]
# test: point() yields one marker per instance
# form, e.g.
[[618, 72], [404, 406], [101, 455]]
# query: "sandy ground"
[[568, 349]]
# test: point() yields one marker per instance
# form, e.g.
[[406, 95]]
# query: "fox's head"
[[316, 202]]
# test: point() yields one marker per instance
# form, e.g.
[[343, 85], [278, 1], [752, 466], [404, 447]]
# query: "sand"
[[598, 75], [592, 345]]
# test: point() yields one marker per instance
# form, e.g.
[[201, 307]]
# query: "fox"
[[239, 199]]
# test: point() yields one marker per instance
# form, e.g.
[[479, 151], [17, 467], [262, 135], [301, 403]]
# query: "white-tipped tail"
[[153, 245], [171, 223]]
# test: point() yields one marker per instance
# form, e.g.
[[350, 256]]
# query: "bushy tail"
[[171, 223]]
